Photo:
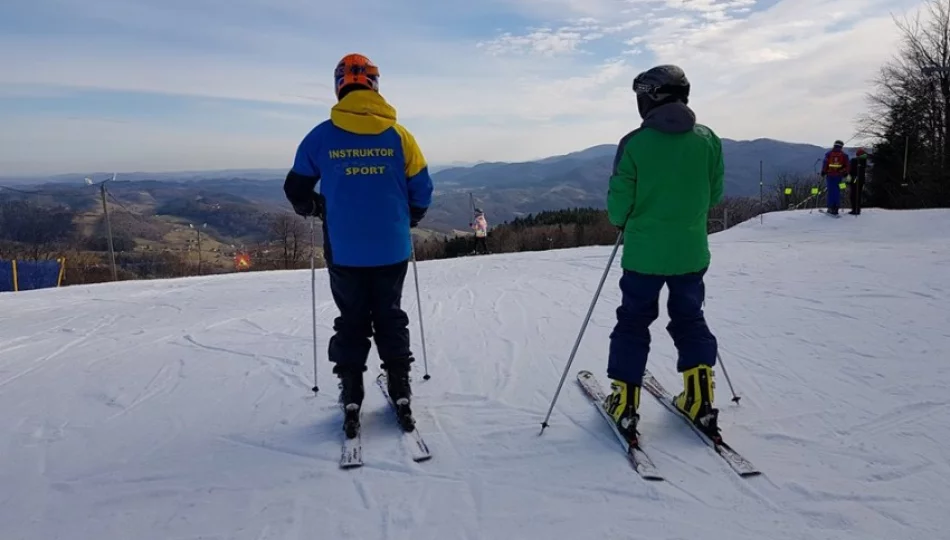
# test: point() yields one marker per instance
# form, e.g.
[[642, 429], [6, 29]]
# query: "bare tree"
[[909, 114], [35, 232], [791, 191], [292, 238]]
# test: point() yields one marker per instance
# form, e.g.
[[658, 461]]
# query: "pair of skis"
[[635, 453], [352, 455]]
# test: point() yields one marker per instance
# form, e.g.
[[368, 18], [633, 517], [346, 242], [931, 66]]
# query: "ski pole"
[[761, 198], [580, 334], [422, 330], [735, 397], [313, 296]]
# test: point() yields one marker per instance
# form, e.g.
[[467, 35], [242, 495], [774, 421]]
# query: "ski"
[[638, 457], [742, 466], [412, 439], [352, 455]]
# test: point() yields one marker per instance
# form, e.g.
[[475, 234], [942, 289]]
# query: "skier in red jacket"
[[834, 169]]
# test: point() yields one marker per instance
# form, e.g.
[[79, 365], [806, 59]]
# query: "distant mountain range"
[[593, 165], [503, 190], [507, 190]]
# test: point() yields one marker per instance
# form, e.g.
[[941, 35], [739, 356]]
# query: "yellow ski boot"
[[696, 400], [622, 405]]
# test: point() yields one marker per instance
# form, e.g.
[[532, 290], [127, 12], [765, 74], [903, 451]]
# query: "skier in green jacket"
[[667, 174]]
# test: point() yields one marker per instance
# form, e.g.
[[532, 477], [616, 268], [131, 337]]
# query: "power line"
[[21, 191], [57, 189], [130, 212]]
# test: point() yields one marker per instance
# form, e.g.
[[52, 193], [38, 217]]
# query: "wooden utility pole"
[[105, 212]]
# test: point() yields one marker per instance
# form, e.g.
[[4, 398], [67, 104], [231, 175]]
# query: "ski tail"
[[412, 439], [637, 456], [739, 463], [352, 452]]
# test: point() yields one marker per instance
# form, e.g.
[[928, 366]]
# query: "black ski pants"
[[857, 188], [369, 301]]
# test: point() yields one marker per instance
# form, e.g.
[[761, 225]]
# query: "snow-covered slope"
[[182, 409]]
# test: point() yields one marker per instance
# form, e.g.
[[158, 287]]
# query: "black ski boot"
[[397, 384], [351, 399]]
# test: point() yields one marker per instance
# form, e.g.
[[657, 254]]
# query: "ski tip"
[[584, 374]]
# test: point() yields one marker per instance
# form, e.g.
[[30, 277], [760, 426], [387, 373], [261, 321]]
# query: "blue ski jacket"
[[374, 182]]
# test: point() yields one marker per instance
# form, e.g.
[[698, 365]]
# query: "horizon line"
[[461, 165]]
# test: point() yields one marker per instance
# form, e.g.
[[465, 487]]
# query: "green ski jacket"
[[666, 176]]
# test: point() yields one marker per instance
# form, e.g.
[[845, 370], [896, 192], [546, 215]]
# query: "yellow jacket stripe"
[[415, 161]]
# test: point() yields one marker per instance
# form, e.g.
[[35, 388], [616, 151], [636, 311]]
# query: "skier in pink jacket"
[[480, 226]]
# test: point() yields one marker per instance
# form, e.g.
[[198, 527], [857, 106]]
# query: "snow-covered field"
[[182, 409]]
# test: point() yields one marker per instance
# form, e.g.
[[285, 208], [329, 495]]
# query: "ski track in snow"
[[182, 409]]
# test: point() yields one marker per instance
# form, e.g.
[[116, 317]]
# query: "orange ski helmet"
[[355, 70]]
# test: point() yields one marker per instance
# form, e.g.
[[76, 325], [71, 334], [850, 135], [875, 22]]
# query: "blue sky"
[[163, 85]]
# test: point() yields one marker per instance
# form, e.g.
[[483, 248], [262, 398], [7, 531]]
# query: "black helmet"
[[660, 85]]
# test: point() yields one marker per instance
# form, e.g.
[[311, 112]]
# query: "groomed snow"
[[181, 409]]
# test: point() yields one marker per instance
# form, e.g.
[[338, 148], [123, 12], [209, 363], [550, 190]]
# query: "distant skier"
[[480, 226], [835, 168], [667, 174], [375, 187], [858, 172]]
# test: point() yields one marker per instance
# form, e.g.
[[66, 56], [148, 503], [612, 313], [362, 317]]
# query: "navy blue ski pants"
[[833, 183], [630, 339]]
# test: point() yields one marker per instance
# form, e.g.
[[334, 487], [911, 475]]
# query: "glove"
[[415, 215], [316, 207]]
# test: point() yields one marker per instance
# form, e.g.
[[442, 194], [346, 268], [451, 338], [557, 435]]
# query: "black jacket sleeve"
[[299, 191]]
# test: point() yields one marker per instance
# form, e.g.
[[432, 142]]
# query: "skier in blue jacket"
[[374, 187]]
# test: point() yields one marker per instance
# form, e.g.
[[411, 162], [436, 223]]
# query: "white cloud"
[[674, 22], [797, 70], [547, 9], [554, 41], [542, 41]]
